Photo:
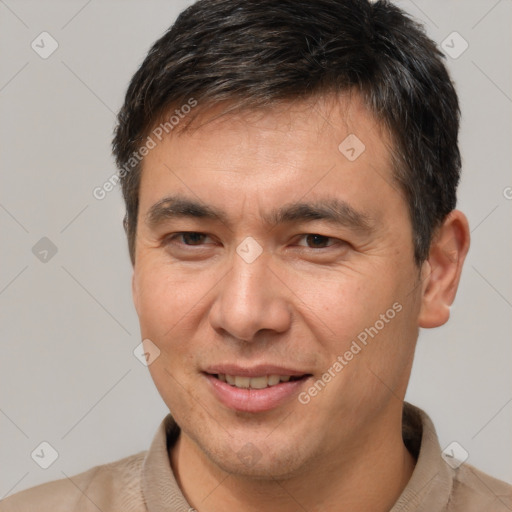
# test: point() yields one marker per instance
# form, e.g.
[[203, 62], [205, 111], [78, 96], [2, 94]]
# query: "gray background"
[[68, 375]]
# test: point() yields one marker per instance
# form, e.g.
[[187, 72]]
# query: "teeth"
[[258, 382], [242, 382], [253, 382], [273, 380]]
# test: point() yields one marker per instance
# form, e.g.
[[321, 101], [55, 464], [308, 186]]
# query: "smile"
[[260, 382], [255, 393]]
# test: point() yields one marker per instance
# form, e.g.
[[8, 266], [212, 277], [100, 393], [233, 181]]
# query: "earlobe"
[[448, 251]]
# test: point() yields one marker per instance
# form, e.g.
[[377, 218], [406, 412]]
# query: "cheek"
[[342, 305], [372, 309], [168, 313], [165, 299], [174, 303]]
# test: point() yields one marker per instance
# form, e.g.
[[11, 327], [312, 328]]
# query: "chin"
[[257, 460]]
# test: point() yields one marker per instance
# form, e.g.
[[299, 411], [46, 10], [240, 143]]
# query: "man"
[[289, 171]]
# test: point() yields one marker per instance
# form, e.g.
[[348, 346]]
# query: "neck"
[[371, 477]]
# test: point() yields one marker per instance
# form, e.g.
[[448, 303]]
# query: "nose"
[[251, 299]]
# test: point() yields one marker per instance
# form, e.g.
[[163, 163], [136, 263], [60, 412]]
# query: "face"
[[285, 251]]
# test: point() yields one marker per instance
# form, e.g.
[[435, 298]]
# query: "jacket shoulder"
[[108, 487], [474, 490]]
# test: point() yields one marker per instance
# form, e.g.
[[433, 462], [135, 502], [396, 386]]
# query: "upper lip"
[[253, 371]]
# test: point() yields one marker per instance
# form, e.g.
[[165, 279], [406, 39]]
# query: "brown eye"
[[187, 239], [317, 241], [192, 237]]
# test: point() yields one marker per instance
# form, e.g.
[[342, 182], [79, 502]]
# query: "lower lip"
[[254, 400]]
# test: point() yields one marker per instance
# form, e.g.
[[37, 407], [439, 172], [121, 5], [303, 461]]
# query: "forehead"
[[326, 117], [330, 143]]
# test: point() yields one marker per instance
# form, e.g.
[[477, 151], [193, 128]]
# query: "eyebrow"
[[333, 210]]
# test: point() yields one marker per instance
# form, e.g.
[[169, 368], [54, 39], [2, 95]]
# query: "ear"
[[441, 272], [135, 292]]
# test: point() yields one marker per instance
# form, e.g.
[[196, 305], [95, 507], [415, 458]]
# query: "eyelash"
[[172, 238]]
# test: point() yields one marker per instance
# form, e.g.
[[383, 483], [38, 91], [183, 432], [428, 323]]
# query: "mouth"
[[259, 382], [257, 392]]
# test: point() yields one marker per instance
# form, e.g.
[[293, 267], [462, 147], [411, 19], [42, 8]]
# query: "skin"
[[299, 304]]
